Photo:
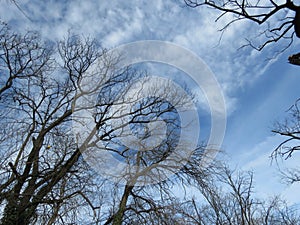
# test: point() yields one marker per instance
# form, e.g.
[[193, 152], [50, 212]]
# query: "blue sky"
[[257, 90]]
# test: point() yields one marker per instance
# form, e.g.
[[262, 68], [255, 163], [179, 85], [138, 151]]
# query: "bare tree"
[[283, 22], [41, 167], [228, 197], [44, 177], [290, 130], [44, 174], [282, 19]]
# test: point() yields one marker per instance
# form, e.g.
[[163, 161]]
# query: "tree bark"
[[122, 207]]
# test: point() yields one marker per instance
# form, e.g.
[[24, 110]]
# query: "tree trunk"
[[118, 217]]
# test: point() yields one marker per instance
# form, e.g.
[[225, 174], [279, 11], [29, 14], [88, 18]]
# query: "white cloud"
[[119, 22], [126, 30]]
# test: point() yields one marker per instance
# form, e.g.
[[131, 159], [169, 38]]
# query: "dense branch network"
[[261, 12], [44, 178]]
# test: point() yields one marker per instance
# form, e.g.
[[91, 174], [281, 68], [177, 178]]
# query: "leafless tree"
[[44, 177], [42, 170], [283, 22], [228, 197], [290, 129], [282, 19]]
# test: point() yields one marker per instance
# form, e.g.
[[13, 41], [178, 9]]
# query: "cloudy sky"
[[258, 86]]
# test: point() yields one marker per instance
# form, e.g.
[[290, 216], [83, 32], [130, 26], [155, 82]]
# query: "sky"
[[258, 87]]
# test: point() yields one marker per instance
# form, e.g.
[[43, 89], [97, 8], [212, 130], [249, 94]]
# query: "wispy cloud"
[[119, 22]]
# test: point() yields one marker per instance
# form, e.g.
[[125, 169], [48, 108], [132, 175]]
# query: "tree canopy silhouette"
[[286, 27]]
